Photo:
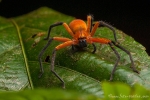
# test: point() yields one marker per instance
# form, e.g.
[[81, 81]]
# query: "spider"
[[82, 34]]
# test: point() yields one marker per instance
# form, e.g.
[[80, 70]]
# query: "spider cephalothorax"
[[82, 34]]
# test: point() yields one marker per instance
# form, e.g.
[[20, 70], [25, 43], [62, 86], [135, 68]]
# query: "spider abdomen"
[[77, 25]]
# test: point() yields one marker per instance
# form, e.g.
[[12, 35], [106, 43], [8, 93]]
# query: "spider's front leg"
[[65, 44], [45, 47], [107, 41]]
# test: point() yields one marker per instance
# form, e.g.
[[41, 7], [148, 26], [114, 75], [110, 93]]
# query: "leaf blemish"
[[34, 35], [36, 41], [47, 59], [38, 35]]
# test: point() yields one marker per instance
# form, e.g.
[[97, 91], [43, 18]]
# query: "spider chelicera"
[[82, 34]]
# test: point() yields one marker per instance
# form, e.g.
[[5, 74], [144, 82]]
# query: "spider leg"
[[110, 27], [98, 23], [52, 68], [94, 48], [73, 47], [40, 55], [92, 18], [57, 24], [131, 59], [107, 41], [112, 44], [116, 64], [65, 44], [89, 23], [45, 47], [51, 26]]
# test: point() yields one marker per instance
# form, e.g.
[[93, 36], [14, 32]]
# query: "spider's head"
[[82, 42]]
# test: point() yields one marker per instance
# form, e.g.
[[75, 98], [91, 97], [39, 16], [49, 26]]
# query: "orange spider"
[[82, 35]]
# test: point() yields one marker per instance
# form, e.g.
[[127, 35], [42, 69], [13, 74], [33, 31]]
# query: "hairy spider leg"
[[66, 42], [112, 44], [45, 47], [107, 41], [40, 55], [131, 59], [63, 45], [98, 23], [118, 58], [117, 61], [89, 23], [89, 29], [57, 24]]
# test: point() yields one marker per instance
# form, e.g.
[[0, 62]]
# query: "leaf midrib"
[[23, 52]]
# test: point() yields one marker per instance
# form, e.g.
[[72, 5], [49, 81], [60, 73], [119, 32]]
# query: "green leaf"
[[121, 91], [116, 90], [112, 91], [45, 94], [13, 74], [31, 44], [82, 71], [74, 80]]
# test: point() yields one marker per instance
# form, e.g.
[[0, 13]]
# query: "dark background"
[[132, 16]]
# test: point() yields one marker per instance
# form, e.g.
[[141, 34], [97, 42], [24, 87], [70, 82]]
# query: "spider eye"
[[82, 42], [82, 38]]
